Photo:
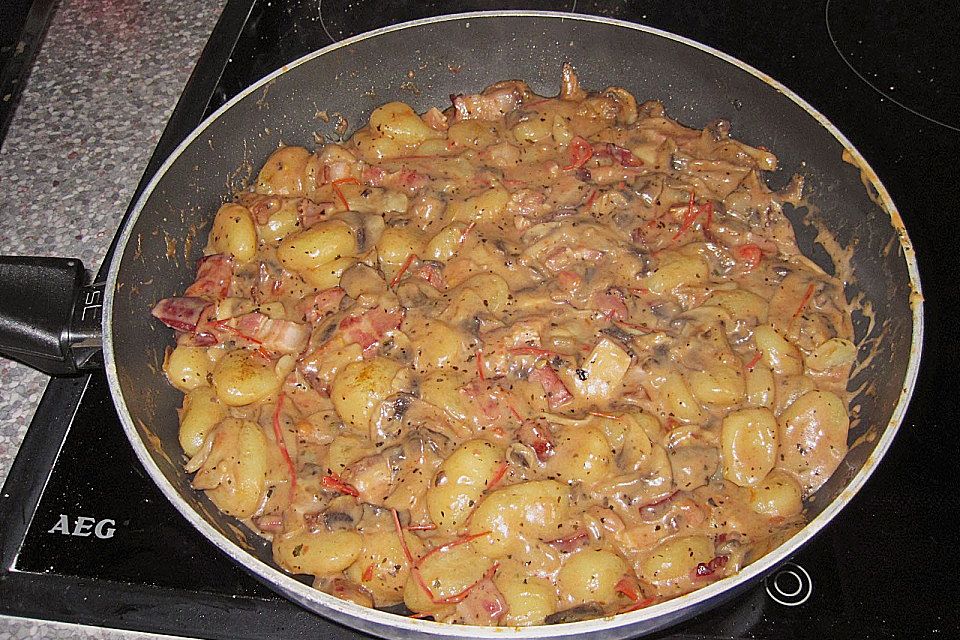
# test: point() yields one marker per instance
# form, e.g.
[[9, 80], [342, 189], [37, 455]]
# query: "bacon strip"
[[624, 157], [432, 275], [557, 393], [369, 328], [310, 213], [535, 437], [214, 275], [182, 314], [611, 304], [570, 543], [282, 336], [483, 604], [324, 303], [485, 106]]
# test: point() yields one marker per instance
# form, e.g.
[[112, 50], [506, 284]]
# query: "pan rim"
[[651, 618]]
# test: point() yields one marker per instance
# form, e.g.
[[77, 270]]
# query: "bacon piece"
[[272, 523], [407, 179], [338, 170], [629, 587], [557, 393], [435, 119], [493, 104], [568, 280], [197, 339], [310, 213], [624, 157], [707, 569], [373, 175], [571, 543], [282, 336], [483, 604], [404, 179], [564, 256], [431, 273], [537, 438], [182, 314], [611, 304], [529, 204], [324, 303], [214, 275], [264, 207], [486, 398], [368, 328]]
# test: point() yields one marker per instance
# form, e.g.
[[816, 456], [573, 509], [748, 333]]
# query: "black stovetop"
[[87, 538]]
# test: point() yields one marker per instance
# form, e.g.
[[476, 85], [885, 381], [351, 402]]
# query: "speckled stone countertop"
[[104, 84]]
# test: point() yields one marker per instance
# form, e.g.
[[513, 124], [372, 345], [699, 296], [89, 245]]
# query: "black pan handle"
[[50, 314]]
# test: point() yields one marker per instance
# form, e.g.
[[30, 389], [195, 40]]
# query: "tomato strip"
[[336, 188], [403, 269], [278, 434], [466, 233], [222, 324], [532, 351], [639, 605], [479, 356], [693, 212], [333, 481], [634, 325], [600, 414], [804, 300], [414, 569], [662, 500], [628, 587], [580, 153], [751, 255], [591, 199], [498, 476], [453, 543], [459, 597], [753, 361], [367, 575]]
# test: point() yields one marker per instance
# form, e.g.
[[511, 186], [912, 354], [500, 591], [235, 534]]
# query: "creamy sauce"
[[526, 360]]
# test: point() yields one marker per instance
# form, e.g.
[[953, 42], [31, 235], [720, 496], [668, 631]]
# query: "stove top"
[[21, 32], [85, 537]]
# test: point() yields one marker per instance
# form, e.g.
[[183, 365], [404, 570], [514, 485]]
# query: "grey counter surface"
[[104, 84]]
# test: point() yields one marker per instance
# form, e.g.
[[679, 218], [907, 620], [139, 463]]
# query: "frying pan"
[[421, 63]]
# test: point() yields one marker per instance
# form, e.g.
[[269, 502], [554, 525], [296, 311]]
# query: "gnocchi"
[[512, 363]]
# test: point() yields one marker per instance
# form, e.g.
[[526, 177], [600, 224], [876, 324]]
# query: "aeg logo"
[[84, 527]]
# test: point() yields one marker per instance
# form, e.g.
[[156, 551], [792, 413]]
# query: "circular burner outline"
[[833, 41]]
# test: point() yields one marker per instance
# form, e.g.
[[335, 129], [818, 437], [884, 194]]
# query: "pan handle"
[[50, 315]]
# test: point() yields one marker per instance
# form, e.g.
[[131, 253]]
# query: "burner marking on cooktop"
[[322, 23], [790, 586], [846, 60]]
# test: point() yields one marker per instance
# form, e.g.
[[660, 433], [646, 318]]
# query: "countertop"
[[105, 81]]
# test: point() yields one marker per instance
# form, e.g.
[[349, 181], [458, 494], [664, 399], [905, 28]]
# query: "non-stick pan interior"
[[423, 65]]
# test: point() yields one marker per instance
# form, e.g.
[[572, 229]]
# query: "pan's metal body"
[[454, 54]]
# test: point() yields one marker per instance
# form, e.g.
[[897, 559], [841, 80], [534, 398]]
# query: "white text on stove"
[[84, 526]]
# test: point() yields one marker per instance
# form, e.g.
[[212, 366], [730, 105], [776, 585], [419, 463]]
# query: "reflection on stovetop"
[[884, 567]]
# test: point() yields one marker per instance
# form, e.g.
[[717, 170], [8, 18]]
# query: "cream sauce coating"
[[567, 343]]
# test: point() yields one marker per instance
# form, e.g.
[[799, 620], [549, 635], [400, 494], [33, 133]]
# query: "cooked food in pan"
[[521, 361]]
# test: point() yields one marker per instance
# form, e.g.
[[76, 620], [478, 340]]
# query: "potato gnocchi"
[[521, 361]]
